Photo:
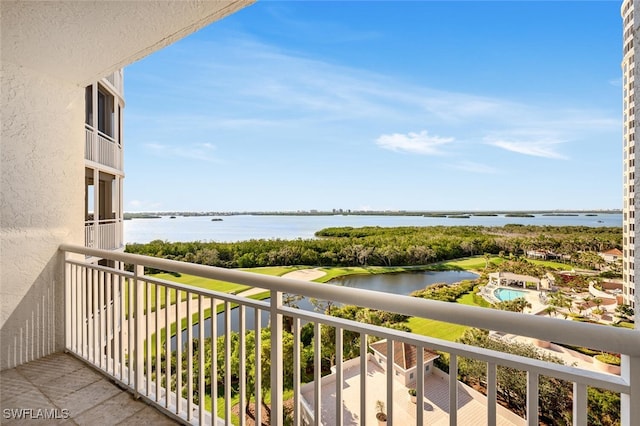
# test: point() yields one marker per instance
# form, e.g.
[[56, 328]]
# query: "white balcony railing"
[[115, 320], [105, 235], [102, 149]]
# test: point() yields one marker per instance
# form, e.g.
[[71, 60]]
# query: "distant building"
[[541, 254], [629, 124], [404, 360], [611, 256]]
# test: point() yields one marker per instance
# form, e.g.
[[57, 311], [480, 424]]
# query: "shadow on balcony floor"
[[64, 390]]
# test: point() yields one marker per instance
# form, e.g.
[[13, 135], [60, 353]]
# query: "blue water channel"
[[402, 283]]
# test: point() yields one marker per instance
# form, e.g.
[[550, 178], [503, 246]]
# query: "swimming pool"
[[506, 294]]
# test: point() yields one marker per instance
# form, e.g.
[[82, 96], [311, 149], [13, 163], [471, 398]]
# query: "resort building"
[[104, 165], [71, 327], [631, 202]]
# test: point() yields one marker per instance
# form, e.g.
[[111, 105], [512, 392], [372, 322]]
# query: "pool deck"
[[531, 296]]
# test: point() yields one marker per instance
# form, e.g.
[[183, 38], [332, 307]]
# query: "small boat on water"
[[216, 219]]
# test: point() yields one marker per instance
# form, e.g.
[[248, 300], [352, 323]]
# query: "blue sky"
[[381, 106]]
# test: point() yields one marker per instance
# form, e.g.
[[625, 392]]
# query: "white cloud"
[[415, 143], [536, 148]]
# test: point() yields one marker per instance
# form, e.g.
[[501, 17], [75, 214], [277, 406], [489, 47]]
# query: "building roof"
[[613, 252], [404, 355]]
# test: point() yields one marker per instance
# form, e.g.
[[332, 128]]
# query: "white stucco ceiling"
[[82, 41]]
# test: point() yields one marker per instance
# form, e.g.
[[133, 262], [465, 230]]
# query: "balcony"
[[113, 320], [103, 234], [102, 149]]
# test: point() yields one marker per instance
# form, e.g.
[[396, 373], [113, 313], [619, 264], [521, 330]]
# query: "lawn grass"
[[552, 264], [437, 329], [475, 263], [469, 299], [335, 272]]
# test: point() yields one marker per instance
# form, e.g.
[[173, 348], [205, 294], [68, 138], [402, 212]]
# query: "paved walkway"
[[472, 406], [72, 393]]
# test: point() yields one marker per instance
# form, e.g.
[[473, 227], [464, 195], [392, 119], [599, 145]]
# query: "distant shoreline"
[[425, 213]]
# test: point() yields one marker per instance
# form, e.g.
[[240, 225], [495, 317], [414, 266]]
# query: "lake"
[[398, 283], [246, 227]]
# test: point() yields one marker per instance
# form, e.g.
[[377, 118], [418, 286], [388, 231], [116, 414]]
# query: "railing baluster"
[[131, 344], [453, 389], [363, 381], [201, 356], [227, 365], [242, 374], [630, 372], [68, 303], [492, 399], [109, 322], [339, 375], [189, 358], [178, 352], [80, 301], [124, 326], [158, 330], [532, 398], [295, 328], [94, 317], [139, 329], [258, 362], [214, 361], [118, 317], [167, 346], [147, 336], [86, 287], [580, 405], [317, 374], [276, 357], [102, 315], [419, 384]]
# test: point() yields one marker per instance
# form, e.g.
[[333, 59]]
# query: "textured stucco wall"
[[41, 185]]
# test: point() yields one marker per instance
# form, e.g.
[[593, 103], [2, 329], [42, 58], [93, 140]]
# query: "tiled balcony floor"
[[62, 382]]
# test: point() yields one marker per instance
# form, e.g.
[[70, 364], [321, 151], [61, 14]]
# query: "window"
[[88, 105], [105, 113]]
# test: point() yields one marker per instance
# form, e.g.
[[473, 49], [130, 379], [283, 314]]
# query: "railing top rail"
[[611, 339]]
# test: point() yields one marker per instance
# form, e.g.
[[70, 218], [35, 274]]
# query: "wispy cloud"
[[616, 82], [473, 167], [201, 151], [536, 148], [415, 143]]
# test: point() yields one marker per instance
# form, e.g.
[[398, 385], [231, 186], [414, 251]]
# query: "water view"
[[400, 283], [246, 227]]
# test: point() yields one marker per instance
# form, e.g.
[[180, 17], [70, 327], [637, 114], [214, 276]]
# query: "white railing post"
[[138, 352], [629, 404], [532, 398], [580, 404], [67, 302], [276, 359]]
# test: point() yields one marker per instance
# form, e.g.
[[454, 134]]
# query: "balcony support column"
[[629, 406], [276, 359]]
